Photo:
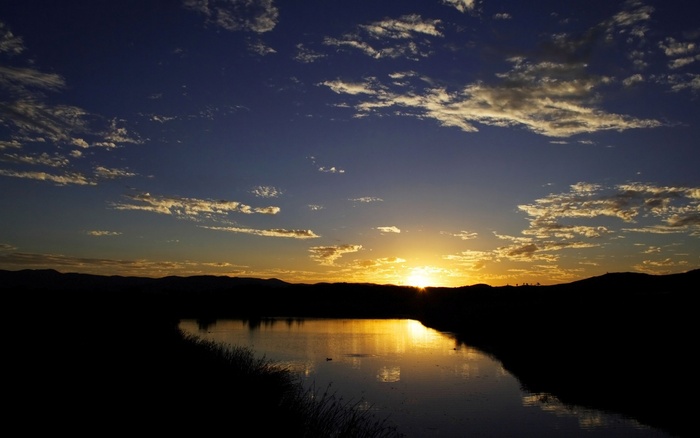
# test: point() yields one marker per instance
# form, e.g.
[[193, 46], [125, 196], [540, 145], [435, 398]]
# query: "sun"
[[419, 277]]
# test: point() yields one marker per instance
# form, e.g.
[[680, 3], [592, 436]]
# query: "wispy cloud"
[[107, 173], [104, 266], [266, 192], [327, 255], [238, 15], [260, 48], [10, 43], [682, 53], [391, 38], [391, 229], [102, 233], [61, 180], [474, 260], [325, 169], [189, 207], [43, 159], [331, 169], [306, 55], [551, 99], [35, 120], [461, 5], [561, 221], [662, 208], [663, 266], [366, 199], [464, 235], [552, 93], [275, 232]]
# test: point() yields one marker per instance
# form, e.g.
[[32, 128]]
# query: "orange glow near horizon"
[[420, 277]]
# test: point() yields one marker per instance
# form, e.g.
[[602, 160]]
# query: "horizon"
[[345, 282], [438, 143]]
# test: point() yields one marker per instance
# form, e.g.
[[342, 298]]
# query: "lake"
[[420, 379]]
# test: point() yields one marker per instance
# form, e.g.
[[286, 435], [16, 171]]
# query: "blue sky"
[[444, 142]]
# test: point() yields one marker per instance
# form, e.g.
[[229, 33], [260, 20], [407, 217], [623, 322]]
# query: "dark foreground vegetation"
[[138, 374], [620, 342]]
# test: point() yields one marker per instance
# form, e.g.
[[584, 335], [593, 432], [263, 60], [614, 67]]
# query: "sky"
[[409, 142]]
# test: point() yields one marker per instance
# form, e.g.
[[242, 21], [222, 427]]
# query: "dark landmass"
[[619, 342]]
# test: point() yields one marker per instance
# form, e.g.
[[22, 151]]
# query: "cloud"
[[258, 16], [43, 159], [391, 229], [22, 103], [260, 48], [7, 144], [652, 250], [391, 38], [102, 233], [325, 169], [306, 55], [556, 222], [464, 235], [636, 13], [663, 266], [331, 169], [341, 87], [266, 192], [673, 48], [406, 27], [554, 95], [61, 180], [366, 199], [117, 133], [461, 5], [189, 207], [502, 16], [327, 255], [551, 99], [9, 43], [33, 121], [275, 232], [104, 266], [630, 21], [21, 80], [474, 260], [634, 79], [666, 208], [376, 263], [683, 53], [31, 117], [688, 81], [106, 173]]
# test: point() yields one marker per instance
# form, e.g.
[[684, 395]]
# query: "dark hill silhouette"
[[619, 342]]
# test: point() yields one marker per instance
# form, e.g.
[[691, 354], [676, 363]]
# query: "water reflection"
[[421, 379], [389, 374]]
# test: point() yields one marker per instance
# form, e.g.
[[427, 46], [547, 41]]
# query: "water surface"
[[420, 379]]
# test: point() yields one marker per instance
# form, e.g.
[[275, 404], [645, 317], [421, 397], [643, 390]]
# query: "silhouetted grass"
[[324, 414], [275, 394]]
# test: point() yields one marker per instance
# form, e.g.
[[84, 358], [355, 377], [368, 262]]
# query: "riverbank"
[[137, 372]]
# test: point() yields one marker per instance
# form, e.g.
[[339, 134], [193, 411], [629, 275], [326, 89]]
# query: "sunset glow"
[[420, 277]]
